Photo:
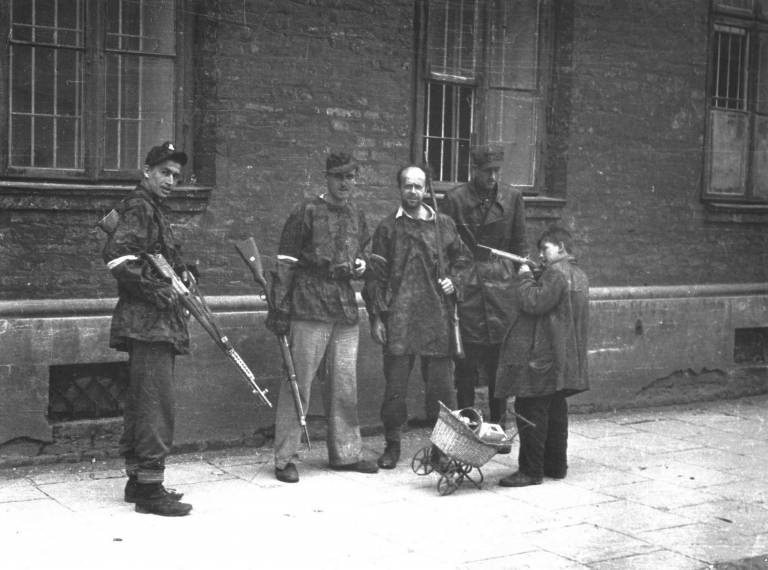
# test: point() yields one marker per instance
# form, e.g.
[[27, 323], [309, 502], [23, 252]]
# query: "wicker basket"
[[457, 440]]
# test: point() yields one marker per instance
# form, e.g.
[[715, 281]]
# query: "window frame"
[[94, 99], [752, 22], [482, 86]]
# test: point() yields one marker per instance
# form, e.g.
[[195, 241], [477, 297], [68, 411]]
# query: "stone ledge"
[[42, 308], [98, 197]]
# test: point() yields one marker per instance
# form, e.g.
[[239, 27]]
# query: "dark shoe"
[[388, 459], [132, 492], [288, 474], [518, 479], [362, 466], [555, 474], [163, 507], [504, 449], [153, 499]]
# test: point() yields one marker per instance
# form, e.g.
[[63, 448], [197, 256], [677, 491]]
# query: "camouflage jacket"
[[140, 312], [318, 246], [402, 289]]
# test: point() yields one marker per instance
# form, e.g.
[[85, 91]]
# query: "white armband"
[[120, 260], [287, 259]]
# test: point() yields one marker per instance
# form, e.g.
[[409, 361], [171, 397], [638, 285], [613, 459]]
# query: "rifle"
[[250, 254], [535, 266], [195, 304], [453, 308]]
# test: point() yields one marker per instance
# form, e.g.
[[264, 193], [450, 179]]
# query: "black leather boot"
[[131, 491], [152, 498]]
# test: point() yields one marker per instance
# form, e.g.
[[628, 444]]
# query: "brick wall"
[[282, 84], [635, 122], [279, 84]]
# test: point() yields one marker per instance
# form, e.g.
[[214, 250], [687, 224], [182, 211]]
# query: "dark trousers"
[[477, 355], [543, 449], [149, 411], [397, 370]]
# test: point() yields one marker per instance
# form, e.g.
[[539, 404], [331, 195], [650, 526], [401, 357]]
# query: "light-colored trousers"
[[329, 351]]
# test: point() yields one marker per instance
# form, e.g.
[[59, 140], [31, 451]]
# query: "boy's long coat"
[[545, 350]]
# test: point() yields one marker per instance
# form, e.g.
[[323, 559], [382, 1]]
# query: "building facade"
[[640, 125]]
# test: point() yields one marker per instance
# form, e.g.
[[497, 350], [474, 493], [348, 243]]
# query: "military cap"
[[340, 163], [488, 156], [163, 152]]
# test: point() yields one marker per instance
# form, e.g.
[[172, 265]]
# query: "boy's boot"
[[131, 491], [152, 498], [388, 459]]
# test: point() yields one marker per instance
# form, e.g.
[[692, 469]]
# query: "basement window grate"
[[87, 391], [750, 346]]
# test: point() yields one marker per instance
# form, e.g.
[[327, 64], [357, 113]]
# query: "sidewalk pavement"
[[665, 488]]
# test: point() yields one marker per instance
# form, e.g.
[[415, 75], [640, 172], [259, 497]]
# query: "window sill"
[[729, 212], [100, 197]]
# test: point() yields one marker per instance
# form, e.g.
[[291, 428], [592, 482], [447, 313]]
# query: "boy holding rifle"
[[148, 323], [544, 358], [407, 297]]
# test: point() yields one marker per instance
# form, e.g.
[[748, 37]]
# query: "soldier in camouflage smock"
[[321, 251], [148, 323]]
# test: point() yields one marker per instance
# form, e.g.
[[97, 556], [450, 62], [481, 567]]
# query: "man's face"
[[161, 178], [413, 184], [340, 185], [486, 178]]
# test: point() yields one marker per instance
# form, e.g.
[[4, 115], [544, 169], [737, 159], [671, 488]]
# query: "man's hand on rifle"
[[165, 297], [359, 267], [447, 286], [279, 322], [379, 331]]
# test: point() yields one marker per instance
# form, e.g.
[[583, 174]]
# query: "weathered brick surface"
[[637, 83], [279, 84], [284, 84]]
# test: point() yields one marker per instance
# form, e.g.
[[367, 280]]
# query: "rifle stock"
[[249, 251], [199, 310]]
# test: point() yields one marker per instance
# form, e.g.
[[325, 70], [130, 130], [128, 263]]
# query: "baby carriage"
[[457, 452]]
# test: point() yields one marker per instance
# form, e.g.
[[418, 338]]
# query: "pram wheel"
[[422, 462]]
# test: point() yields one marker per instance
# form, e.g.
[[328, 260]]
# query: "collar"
[[324, 199], [430, 213], [149, 195], [475, 195]]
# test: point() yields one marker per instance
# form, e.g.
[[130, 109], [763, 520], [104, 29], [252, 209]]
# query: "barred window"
[[737, 121], [482, 66], [91, 85]]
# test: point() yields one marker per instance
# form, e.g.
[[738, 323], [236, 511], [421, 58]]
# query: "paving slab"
[[674, 488]]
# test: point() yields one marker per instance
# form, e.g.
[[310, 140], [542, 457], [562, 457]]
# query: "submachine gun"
[[536, 267], [198, 308], [250, 253]]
